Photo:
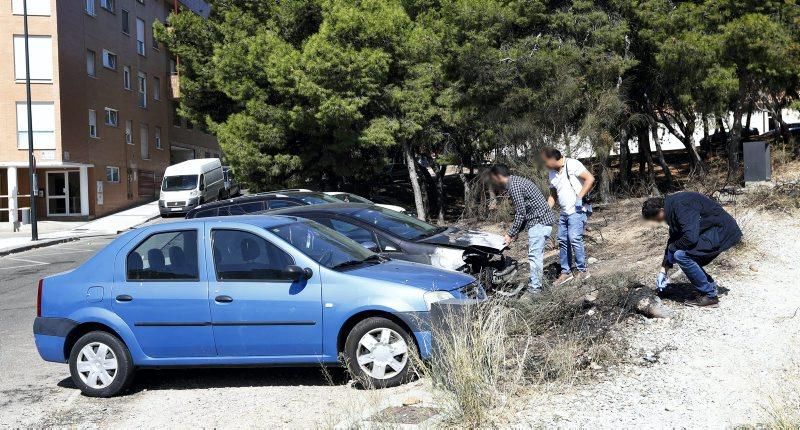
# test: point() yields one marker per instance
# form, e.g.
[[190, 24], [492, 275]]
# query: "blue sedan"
[[249, 290]]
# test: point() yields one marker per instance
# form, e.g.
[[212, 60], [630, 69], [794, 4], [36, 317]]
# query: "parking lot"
[[37, 394]]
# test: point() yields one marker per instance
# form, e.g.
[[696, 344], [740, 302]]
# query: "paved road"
[[38, 394]]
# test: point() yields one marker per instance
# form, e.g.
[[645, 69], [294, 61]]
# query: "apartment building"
[[104, 93]]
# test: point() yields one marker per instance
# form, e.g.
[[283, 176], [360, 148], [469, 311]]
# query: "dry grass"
[[496, 349], [477, 363]]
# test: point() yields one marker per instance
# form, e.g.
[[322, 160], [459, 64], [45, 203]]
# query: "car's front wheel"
[[378, 353], [100, 364]]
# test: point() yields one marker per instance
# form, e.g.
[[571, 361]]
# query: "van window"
[[179, 183], [170, 255]]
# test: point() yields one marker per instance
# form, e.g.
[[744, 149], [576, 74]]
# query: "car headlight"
[[432, 297]]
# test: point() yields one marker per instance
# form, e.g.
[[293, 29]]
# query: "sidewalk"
[[52, 232]]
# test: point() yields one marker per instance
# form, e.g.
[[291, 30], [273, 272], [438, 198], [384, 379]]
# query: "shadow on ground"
[[190, 379]]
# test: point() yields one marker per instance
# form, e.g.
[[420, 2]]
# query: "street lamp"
[[31, 160]]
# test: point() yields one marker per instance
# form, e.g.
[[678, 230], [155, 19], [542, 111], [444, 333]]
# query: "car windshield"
[[351, 198], [179, 183], [316, 198], [324, 245], [397, 223]]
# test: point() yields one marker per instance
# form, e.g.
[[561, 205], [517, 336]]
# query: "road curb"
[[38, 244]]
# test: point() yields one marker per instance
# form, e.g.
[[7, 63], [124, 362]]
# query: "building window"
[[90, 7], [126, 22], [155, 42], [35, 7], [142, 90], [109, 60], [44, 125], [112, 174], [173, 66], [140, 36], [158, 138], [156, 88], [92, 123], [129, 132], [107, 5], [143, 142], [90, 63], [112, 117], [40, 49], [126, 77]]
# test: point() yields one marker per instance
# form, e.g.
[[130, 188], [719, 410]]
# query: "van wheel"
[[378, 353], [100, 364]]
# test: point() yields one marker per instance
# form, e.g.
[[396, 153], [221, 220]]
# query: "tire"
[[91, 381], [398, 349]]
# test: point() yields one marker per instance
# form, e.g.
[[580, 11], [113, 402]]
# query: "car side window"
[[206, 213], [170, 255], [244, 256], [358, 234], [275, 204], [387, 245]]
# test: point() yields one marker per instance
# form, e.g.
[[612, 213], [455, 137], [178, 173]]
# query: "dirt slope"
[[703, 368]]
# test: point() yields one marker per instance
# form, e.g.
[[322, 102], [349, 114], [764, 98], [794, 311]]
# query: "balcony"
[[174, 86]]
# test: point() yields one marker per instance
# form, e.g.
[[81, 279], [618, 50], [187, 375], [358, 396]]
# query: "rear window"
[[163, 256]]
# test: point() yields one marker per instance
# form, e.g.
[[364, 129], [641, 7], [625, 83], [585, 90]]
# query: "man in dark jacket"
[[699, 230]]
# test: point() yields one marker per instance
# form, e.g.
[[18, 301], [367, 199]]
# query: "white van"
[[190, 183]]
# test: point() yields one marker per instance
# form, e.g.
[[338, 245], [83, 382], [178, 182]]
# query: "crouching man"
[[699, 230]]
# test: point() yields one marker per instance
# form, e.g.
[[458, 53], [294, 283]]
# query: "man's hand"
[[661, 280], [507, 240]]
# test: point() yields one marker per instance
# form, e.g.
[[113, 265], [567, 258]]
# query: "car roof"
[[246, 199], [342, 208], [263, 221]]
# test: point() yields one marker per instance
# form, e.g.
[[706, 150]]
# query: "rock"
[[595, 366], [753, 268], [592, 260], [652, 307], [411, 401]]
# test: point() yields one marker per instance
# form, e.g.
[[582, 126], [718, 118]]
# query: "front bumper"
[[50, 334], [165, 208]]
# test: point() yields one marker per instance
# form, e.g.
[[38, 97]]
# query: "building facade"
[[103, 106]]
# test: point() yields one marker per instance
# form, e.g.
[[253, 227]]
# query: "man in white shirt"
[[569, 183]]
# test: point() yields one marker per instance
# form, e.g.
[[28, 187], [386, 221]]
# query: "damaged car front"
[[404, 237]]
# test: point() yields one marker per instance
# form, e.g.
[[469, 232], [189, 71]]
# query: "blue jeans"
[[692, 267], [570, 241], [537, 237]]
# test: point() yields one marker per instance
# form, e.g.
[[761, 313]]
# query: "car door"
[[255, 309], [161, 293]]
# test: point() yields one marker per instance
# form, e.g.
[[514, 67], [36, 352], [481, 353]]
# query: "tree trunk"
[[646, 157], [660, 156], [688, 141], [733, 146], [624, 158], [440, 172], [412, 175], [705, 144]]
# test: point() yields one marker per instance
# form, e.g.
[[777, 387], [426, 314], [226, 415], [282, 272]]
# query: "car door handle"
[[223, 299], [124, 298]]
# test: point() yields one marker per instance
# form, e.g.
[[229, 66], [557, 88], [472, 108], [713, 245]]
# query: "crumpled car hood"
[[456, 237]]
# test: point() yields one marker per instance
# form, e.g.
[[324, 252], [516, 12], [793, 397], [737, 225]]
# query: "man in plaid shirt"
[[531, 212]]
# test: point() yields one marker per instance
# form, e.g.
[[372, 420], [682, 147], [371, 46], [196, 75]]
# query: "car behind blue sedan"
[[250, 290]]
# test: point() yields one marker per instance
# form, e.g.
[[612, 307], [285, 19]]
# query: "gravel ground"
[[703, 368]]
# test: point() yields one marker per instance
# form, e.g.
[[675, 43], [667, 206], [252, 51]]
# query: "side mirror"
[[372, 246], [297, 273]]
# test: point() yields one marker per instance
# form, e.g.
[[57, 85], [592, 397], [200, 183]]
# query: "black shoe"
[[703, 302]]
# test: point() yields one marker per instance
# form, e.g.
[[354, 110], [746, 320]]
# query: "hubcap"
[[97, 365], [382, 353]]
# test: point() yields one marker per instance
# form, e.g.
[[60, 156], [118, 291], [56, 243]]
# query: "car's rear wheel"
[[378, 353], [100, 364]]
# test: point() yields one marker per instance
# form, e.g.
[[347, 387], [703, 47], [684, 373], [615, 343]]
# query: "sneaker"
[[703, 302], [563, 279], [582, 276]]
